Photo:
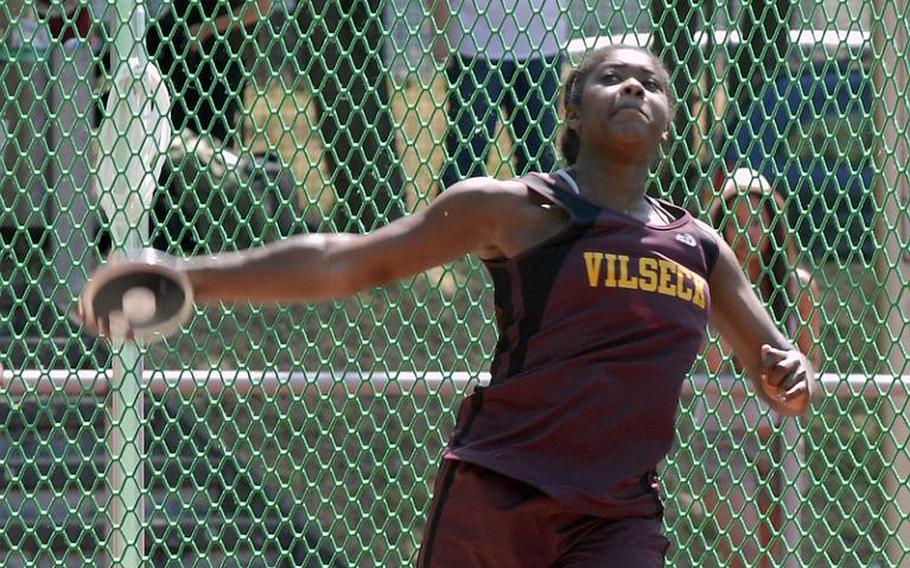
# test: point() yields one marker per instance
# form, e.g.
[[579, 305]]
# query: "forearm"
[[778, 371], [295, 270]]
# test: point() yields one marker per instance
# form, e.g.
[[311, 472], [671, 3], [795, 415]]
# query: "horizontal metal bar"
[[216, 381]]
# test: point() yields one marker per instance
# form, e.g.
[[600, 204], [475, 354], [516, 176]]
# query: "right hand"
[[120, 329], [96, 326], [104, 328]]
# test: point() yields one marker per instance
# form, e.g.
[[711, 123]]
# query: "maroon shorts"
[[480, 518]]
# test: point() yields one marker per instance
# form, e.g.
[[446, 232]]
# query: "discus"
[[147, 291]]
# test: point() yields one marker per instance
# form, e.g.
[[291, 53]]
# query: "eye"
[[610, 78], [653, 85]]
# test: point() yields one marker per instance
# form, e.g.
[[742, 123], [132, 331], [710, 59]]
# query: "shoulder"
[[485, 186], [483, 192], [485, 204], [708, 233], [705, 228], [509, 215]]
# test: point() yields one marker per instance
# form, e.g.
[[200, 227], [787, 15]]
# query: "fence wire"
[[309, 435]]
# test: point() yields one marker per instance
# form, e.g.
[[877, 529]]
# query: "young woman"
[[752, 219], [602, 297]]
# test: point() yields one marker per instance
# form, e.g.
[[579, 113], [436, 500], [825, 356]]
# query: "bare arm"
[[464, 219], [779, 372]]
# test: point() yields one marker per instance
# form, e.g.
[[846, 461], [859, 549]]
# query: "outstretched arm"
[[313, 267], [779, 372]]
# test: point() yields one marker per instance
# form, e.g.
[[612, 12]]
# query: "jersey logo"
[[686, 239], [648, 274]]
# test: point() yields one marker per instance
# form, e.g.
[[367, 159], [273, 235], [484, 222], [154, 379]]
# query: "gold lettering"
[[592, 263], [654, 275], [667, 269], [610, 281], [630, 283], [699, 297], [682, 291], [647, 274]]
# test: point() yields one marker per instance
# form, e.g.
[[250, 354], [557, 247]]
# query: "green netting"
[[309, 436]]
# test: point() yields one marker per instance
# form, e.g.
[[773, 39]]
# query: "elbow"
[[346, 272], [337, 286], [339, 273]]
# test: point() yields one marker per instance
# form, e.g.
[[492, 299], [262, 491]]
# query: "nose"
[[632, 87]]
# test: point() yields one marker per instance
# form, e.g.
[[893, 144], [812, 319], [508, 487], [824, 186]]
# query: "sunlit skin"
[[622, 120], [748, 229]]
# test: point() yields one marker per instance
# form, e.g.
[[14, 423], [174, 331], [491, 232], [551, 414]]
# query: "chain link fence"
[[309, 435]]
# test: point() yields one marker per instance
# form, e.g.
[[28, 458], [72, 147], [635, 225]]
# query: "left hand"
[[786, 379]]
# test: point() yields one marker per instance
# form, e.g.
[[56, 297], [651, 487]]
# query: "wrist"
[[198, 271], [796, 405]]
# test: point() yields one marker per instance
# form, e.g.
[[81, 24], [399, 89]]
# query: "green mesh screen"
[[309, 435]]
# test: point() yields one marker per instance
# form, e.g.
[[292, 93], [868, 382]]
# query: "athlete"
[[602, 297]]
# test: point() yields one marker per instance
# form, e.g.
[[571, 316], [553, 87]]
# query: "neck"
[[619, 186]]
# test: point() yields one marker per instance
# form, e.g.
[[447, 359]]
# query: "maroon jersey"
[[598, 327]]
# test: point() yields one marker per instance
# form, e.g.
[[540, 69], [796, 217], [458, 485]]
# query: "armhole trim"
[[569, 180], [710, 247]]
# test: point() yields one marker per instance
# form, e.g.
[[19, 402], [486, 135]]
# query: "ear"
[[573, 118]]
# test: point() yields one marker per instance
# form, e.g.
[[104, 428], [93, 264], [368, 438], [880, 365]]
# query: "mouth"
[[629, 110]]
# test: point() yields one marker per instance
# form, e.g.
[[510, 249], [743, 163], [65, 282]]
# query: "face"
[[748, 229], [623, 104]]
